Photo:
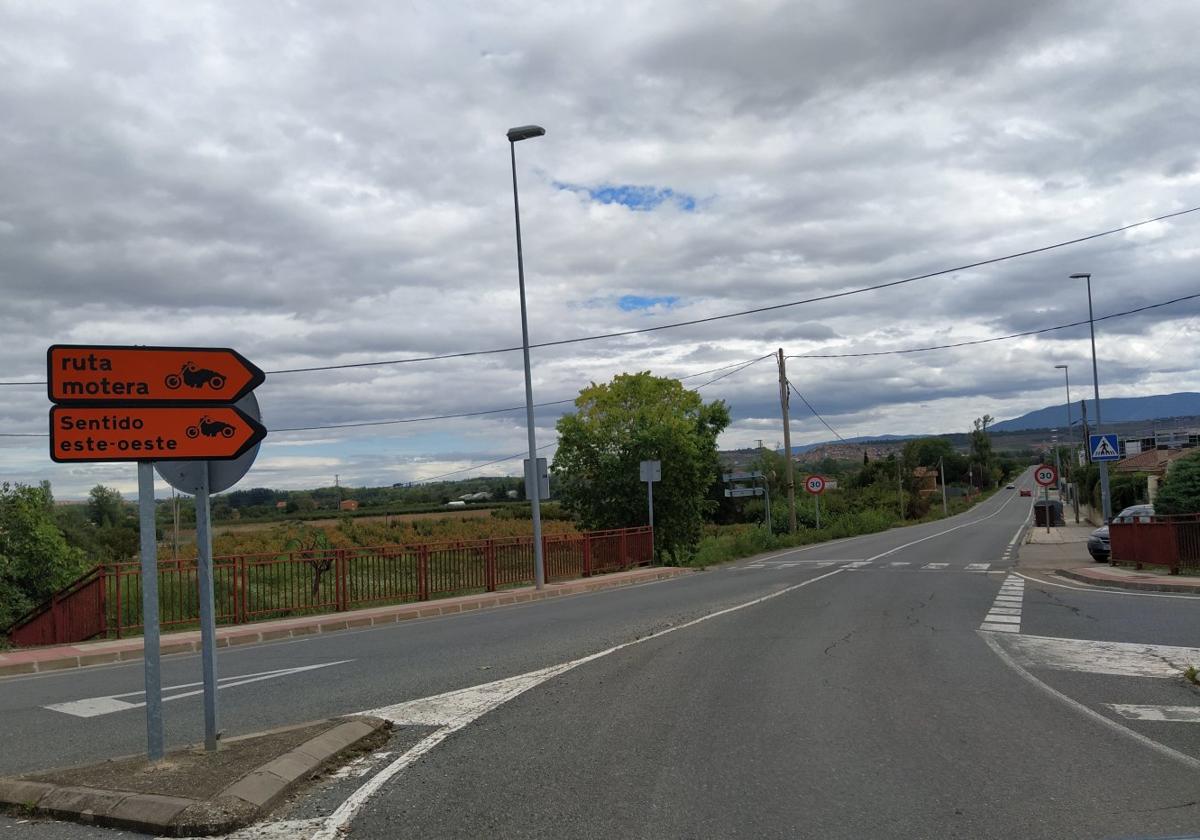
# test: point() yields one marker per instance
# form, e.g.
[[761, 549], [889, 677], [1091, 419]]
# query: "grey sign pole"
[[650, 491], [208, 627], [150, 643], [817, 503], [767, 496]]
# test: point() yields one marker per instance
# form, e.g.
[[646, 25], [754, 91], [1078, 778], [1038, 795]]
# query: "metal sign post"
[[815, 484], [171, 409], [1046, 475], [150, 637], [651, 471], [208, 625]]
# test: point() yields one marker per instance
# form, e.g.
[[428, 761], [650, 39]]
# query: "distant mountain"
[[1116, 410]]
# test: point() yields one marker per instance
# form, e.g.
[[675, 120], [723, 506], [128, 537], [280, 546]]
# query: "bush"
[[1180, 491]]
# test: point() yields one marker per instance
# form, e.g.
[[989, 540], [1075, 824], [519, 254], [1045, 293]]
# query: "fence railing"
[[253, 587], [1171, 541]]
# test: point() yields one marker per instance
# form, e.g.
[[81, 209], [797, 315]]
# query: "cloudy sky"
[[328, 183]]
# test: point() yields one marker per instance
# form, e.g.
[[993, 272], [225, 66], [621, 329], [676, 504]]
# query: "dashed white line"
[[935, 566]]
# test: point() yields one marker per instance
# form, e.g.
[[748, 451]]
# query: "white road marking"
[[1119, 658], [1000, 628], [360, 766], [1175, 714], [856, 564], [454, 710], [1100, 590], [1004, 616], [283, 830], [935, 566], [96, 706], [900, 563], [978, 567], [993, 641]]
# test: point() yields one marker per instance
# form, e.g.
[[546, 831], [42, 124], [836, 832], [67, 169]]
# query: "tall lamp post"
[[516, 135], [1070, 436], [1105, 499]]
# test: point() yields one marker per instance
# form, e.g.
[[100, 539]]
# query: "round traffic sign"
[[814, 484], [1046, 475], [187, 476]]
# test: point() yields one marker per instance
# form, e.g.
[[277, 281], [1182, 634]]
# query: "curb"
[[1145, 586], [333, 622], [238, 805]]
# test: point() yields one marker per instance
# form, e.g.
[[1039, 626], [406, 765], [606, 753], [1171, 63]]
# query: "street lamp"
[[1105, 499], [1074, 487], [532, 477]]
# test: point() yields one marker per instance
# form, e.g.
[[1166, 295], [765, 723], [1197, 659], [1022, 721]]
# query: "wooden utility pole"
[[787, 443]]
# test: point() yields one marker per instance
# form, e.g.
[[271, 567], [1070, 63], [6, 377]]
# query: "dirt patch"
[[190, 773]]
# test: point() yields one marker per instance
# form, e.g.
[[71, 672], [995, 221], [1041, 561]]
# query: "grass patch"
[[1192, 675]]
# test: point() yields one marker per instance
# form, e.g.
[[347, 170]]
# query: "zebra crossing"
[[851, 564]]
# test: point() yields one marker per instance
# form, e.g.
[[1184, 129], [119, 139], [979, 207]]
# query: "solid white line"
[[1162, 749], [1100, 590], [978, 567], [943, 533], [1175, 714], [335, 824]]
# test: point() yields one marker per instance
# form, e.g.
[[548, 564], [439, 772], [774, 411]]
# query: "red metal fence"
[[1171, 541], [252, 587]]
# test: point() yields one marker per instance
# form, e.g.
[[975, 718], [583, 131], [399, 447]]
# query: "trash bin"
[[1051, 510]]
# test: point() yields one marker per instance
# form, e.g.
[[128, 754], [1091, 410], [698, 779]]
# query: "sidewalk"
[[60, 657], [1063, 552]]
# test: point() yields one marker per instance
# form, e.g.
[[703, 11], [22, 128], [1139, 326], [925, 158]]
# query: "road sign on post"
[[84, 374], [1104, 448], [815, 484], [174, 406], [651, 471], [1045, 475]]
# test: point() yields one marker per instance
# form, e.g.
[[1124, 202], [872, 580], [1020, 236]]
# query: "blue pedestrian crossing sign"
[[1104, 447]]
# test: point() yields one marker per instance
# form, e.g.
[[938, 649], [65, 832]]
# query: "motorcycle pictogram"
[[210, 428], [195, 376]]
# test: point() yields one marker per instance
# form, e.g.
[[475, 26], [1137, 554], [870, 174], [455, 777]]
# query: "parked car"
[[1098, 544], [1025, 491]]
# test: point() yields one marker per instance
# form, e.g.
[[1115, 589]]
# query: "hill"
[[1116, 410]]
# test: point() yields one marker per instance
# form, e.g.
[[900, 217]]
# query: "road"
[[841, 690]]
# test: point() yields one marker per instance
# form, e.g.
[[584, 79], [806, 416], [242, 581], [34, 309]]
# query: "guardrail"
[[253, 587], [1171, 541]]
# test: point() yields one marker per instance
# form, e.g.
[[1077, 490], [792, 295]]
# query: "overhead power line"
[[770, 308], [976, 341], [816, 413], [757, 310]]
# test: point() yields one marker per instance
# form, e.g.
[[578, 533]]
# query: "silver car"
[[1098, 545]]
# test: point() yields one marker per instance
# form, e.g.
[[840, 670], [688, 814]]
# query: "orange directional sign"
[[145, 433], [90, 374]]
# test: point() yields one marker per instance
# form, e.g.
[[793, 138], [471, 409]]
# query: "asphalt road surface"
[[842, 690]]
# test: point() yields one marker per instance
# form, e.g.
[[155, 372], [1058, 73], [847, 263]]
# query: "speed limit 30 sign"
[[814, 484], [1045, 475]]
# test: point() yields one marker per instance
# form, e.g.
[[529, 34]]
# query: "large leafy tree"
[[617, 425], [1180, 491], [35, 559]]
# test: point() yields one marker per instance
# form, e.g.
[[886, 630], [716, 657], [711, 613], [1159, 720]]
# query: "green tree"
[[35, 559], [1180, 491], [105, 507], [615, 426], [981, 451], [925, 452]]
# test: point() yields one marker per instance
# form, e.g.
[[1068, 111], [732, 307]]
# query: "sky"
[[319, 184]]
